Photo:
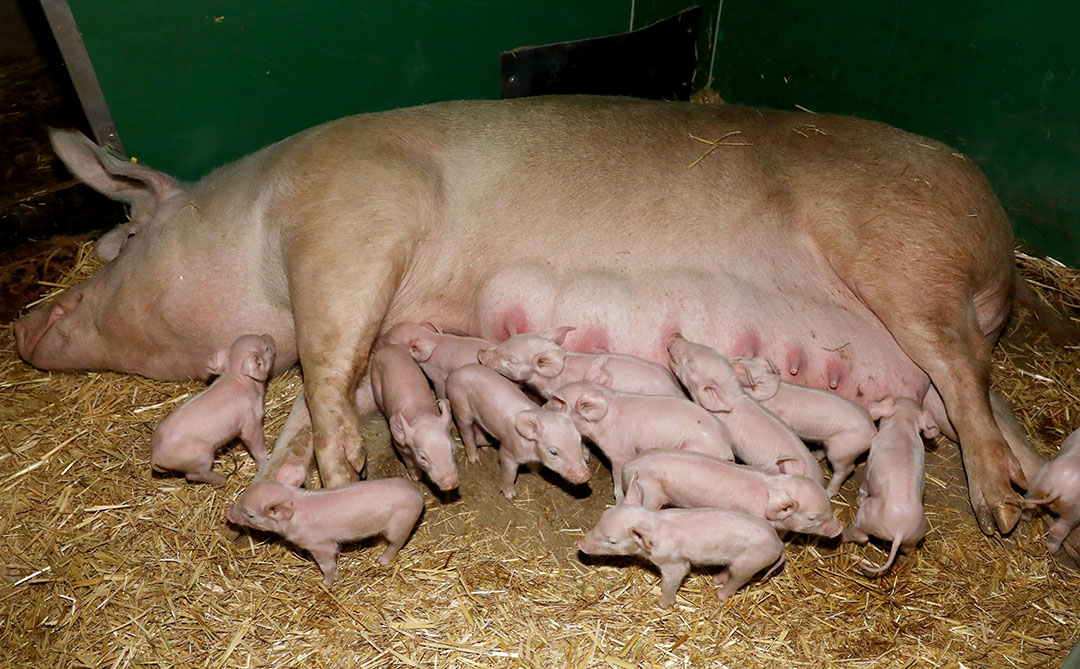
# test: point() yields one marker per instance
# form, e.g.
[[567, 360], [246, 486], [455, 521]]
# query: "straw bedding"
[[105, 565]]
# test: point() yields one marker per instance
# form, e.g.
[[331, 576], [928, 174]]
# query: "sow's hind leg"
[[942, 287]]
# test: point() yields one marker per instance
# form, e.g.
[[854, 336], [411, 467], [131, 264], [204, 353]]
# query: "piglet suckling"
[[625, 424], [419, 425], [438, 353], [483, 401], [688, 480], [540, 362], [1057, 487], [842, 427], [758, 437], [231, 407], [891, 493], [319, 521], [675, 539]]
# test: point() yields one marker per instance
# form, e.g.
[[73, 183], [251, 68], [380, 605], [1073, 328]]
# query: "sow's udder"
[[815, 337]]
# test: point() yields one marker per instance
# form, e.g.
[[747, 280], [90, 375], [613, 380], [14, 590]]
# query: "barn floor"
[[105, 565]]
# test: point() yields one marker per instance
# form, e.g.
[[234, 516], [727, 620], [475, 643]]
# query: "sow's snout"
[[31, 329]]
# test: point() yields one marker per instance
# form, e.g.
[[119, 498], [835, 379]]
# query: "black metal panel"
[[656, 61]]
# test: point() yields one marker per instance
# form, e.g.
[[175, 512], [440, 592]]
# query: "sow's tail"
[[871, 570], [1062, 329]]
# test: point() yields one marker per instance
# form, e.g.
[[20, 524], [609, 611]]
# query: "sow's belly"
[[816, 333]]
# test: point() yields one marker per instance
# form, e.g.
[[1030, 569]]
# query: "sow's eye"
[[612, 540], [553, 452]]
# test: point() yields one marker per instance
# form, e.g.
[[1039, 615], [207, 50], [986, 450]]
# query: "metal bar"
[[83, 77]]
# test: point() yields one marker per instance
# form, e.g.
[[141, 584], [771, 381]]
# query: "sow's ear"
[[140, 187]]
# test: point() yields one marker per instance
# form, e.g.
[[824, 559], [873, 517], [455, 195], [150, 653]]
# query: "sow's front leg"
[[341, 281]]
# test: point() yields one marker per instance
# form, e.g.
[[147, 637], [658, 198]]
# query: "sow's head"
[[126, 316]]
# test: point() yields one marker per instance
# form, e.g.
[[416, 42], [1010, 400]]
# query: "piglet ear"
[[642, 538], [780, 505], [558, 335], [421, 349], [791, 466], [599, 373], [280, 510], [219, 363], [431, 326], [444, 410], [757, 376], [110, 244], [591, 405], [928, 425], [527, 424], [549, 363], [713, 398], [254, 367], [292, 474], [399, 427], [557, 404], [883, 408]]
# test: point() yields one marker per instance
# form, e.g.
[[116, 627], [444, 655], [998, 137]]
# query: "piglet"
[[419, 425], [758, 436], [841, 426], [540, 362], [1057, 487], [625, 424], [484, 401], [319, 521], [437, 353], [891, 494], [231, 407], [662, 477], [675, 539]]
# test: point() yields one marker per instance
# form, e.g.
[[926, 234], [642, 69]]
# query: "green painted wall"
[[998, 80], [196, 83]]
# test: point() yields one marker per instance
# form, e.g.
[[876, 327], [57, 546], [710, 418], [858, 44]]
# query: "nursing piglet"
[[231, 407], [891, 494], [820, 416], [758, 436], [484, 401], [419, 425], [1057, 487], [319, 521], [661, 477], [625, 424], [436, 352], [540, 362], [675, 539]]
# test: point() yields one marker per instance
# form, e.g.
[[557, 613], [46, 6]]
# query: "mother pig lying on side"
[[857, 257]]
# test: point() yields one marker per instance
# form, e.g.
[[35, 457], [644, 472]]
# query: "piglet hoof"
[[329, 580], [721, 578], [509, 495], [666, 603]]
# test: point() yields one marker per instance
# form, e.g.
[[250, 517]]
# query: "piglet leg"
[[671, 577], [325, 555]]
